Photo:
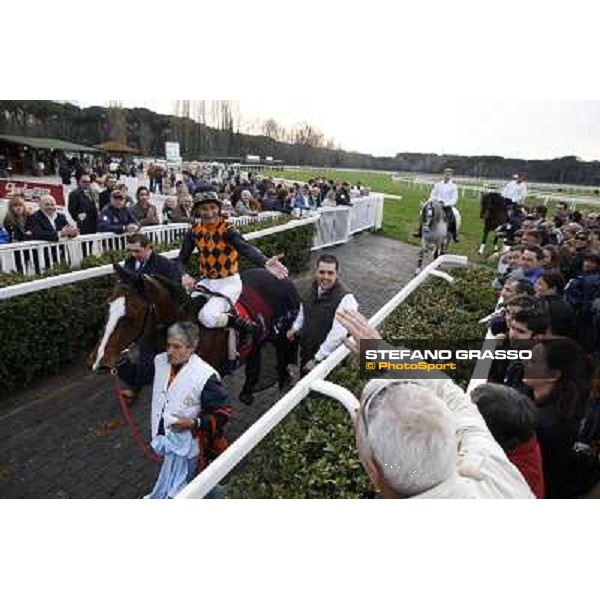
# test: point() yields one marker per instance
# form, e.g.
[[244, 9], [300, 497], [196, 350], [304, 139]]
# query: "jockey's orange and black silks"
[[216, 256]]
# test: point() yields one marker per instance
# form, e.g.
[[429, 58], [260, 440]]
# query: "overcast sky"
[[384, 125]]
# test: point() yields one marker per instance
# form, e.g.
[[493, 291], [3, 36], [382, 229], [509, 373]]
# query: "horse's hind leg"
[[252, 377], [285, 355], [483, 241]]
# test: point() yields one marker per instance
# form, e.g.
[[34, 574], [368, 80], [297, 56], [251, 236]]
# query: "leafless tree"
[[117, 125]]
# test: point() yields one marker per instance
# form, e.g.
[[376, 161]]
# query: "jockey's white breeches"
[[214, 313]]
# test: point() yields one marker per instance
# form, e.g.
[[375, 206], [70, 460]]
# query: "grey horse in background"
[[434, 230]]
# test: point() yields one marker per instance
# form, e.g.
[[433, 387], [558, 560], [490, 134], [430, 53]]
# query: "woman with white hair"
[[424, 438], [187, 398]]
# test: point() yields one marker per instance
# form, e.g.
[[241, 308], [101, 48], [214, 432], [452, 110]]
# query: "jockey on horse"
[[219, 245], [446, 193]]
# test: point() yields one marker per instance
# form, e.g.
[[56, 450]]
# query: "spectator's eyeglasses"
[[364, 406]]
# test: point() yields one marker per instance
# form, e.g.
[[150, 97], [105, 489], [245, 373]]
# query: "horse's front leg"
[[420, 259], [252, 377]]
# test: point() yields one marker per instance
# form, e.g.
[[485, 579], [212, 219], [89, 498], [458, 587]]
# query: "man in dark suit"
[[143, 260], [104, 199], [139, 373], [51, 226], [82, 207], [48, 224]]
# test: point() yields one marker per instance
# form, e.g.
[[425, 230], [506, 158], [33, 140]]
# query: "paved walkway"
[[66, 437]]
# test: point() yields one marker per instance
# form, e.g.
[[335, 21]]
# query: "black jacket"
[[157, 265], [41, 228], [83, 211], [17, 232], [104, 198]]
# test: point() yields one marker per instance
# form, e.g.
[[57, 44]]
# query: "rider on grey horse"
[[446, 193]]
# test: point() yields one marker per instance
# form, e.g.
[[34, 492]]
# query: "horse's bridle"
[[150, 310]]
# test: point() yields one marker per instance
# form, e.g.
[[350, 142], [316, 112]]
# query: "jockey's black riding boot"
[[246, 327], [420, 232]]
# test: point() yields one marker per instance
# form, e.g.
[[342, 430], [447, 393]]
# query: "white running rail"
[[75, 276]]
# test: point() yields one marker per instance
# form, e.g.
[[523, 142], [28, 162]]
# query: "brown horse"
[[142, 307], [494, 212]]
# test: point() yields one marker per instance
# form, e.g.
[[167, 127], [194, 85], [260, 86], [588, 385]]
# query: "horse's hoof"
[[286, 383], [246, 398], [481, 250]]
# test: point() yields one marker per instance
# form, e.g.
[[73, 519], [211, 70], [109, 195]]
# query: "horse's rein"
[[135, 432]]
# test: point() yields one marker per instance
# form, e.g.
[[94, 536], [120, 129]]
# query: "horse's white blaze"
[[115, 312]]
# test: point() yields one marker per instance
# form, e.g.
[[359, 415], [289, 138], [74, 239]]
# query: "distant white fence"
[[338, 224]]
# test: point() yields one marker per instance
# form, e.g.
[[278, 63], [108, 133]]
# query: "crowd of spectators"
[[102, 202], [549, 282]]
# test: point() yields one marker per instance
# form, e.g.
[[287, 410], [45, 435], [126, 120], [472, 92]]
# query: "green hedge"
[[312, 453], [42, 331]]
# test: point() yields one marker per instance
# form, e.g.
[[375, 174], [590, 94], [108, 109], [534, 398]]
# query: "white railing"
[[81, 275], [338, 224], [38, 256], [314, 381]]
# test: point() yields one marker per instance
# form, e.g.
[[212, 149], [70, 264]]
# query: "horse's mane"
[[176, 292]]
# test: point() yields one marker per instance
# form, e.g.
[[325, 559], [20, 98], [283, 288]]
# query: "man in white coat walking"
[[187, 392]]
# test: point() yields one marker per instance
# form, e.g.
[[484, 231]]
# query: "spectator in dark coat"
[[104, 199], [48, 224], [342, 195], [116, 217], [550, 286], [559, 376], [144, 211], [64, 171], [583, 294], [82, 207]]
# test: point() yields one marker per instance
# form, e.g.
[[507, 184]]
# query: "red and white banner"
[[31, 190]]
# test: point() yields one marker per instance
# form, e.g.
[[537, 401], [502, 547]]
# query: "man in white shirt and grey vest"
[[320, 332], [446, 193]]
